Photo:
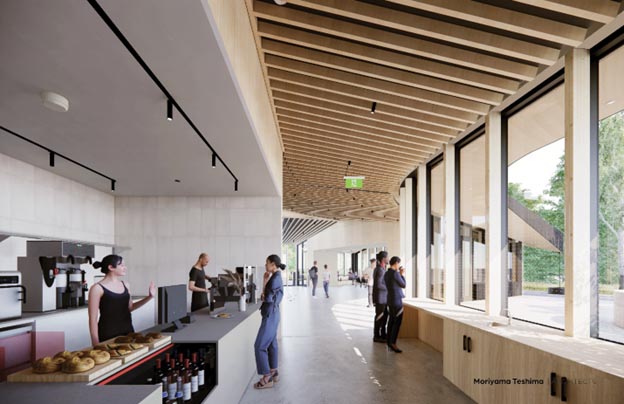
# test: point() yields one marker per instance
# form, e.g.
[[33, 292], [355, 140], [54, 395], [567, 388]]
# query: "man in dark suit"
[[380, 298], [395, 282]]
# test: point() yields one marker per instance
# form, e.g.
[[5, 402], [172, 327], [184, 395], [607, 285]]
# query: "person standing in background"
[[380, 298], [197, 283], [326, 278], [395, 282], [266, 342], [313, 272], [368, 276]]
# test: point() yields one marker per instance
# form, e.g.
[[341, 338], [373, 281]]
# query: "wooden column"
[[408, 249], [422, 258], [402, 223], [580, 263], [450, 227], [496, 232]]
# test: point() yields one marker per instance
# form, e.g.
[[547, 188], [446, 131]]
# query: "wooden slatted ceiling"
[[296, 230], [433, 67]]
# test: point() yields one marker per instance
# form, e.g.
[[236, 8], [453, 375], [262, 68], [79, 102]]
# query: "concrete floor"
[[327, 355]]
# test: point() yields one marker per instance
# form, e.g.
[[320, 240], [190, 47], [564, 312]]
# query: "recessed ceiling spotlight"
[[54, 101], [169, 110], [610, 102], [177, 180], [373, 107], [280, 2]]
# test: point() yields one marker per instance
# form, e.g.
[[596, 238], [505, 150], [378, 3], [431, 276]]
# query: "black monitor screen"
[[171, 303]]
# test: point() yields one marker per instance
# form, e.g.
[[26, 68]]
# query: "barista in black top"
[[111, 297], [197, 283]]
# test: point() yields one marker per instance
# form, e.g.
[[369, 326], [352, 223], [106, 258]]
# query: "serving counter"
[[233, 339]]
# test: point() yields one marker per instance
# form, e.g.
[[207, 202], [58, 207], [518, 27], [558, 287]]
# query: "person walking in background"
[[368, 276], [197, 283], [395, 283], [380, 298], [313, 272], [326, 277], [266, 342]]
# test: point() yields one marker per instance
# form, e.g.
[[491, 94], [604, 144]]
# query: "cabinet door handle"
[[564, 389], [469, 344], [464, 342], [553, 384]]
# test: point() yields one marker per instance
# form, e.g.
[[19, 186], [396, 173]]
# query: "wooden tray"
[[164, 340], [133, 355], [28, 376]]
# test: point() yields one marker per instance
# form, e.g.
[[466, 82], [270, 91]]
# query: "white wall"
[[36, 202], [39, 203], [351, 235], [355, 234], [165, 235]]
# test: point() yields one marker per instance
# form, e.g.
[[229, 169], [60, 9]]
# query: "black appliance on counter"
[[146, 372]]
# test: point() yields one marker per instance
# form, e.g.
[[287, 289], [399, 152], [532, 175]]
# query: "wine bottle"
[[172, 377], [165, 389], [194, 375], [167, 363], [201, 379], [180, 392], [158, 373], [186, 386], [180, 361]]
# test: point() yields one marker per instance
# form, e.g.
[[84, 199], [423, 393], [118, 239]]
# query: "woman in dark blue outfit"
[[395, 283], [266, 341]]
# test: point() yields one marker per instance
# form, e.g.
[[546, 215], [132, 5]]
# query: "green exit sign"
[[354, 182]]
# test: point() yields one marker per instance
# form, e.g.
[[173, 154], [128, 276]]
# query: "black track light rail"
[[96, 6], [54, 154]]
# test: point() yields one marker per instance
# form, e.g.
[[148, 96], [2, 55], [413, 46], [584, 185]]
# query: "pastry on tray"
[[124, 339], [99, 356], [48, 365], [144, 339], [67, 354], [155, 335], [77, 365]]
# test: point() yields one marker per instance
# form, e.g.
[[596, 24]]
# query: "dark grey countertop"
[[63, 393], [209, 329]]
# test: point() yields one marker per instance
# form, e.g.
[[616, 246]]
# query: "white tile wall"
[[166, 234]]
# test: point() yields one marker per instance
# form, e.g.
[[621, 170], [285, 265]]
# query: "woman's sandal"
[[275, 376], [261, 384]]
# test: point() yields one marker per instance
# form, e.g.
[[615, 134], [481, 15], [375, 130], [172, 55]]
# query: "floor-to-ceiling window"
[[535, 209], [436, 229], [472, 221], [611, 196]]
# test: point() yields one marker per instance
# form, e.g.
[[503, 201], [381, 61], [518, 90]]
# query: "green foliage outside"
[[545, 268]]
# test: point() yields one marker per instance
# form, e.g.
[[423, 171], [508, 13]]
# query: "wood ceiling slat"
[[334, 170], [398, 42], [380, 78], [432, 28], [392, 59], [365, 121], [346, 150], [399, 140], [283, 99], [335, 139], [602, 11], [423, 139], [298, 147], [501, 18], [416, 103], [418, 115]]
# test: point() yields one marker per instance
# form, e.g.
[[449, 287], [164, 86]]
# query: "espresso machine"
[[52, 274]]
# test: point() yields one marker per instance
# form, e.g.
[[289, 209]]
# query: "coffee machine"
[[52, 274]]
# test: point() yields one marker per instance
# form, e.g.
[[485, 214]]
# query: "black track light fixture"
[[236, 185], [373, 107], [51, 159], [113, 185], [214, 160], [169, 110]]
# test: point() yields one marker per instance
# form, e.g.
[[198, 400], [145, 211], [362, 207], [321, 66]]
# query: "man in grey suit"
[[380, 298]]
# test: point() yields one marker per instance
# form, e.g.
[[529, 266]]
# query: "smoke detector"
[[54, 101], [280, 2]]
